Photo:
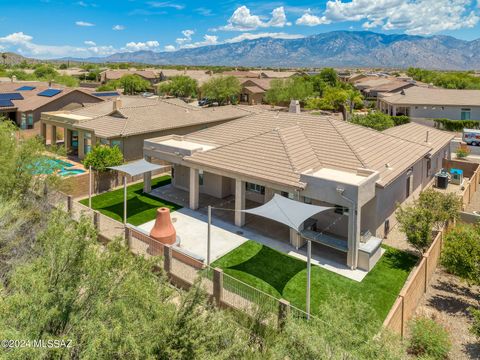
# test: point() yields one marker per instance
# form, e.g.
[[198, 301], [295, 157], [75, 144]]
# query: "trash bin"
[[441, 180]]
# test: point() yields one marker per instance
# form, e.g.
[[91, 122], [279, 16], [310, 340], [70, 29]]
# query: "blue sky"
[[57, 28]]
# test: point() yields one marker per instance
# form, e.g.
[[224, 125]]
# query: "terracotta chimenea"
[[163, 229]]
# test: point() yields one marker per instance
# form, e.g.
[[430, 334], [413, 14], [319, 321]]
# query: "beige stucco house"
[[361, 173], [432, 103], [127, 121]]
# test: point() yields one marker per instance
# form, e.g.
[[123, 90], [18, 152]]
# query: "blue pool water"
[[48, 165]]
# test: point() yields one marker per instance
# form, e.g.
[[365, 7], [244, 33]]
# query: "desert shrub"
[[444, 207], [417, 224], [475, 329], [428, 339], [456, 125], [461, 252], [462, 153], [400, 120], [375, 120]]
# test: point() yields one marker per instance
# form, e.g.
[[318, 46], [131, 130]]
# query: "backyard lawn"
[[141, 207], [283, 276]]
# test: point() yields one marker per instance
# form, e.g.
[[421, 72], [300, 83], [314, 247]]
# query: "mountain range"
[[337, 48]]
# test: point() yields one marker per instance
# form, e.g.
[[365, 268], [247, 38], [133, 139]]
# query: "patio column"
[[53, 135], [354, 217], [239, 202], [43, 132], [67, 139], [394, 111], [194, 189], [81, 144], [147, 177]]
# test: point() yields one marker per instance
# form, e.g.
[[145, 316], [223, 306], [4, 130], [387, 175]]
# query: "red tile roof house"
[[23, 102], [152, 76], [361, 173]]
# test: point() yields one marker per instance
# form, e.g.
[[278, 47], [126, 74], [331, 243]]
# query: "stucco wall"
[[448, 112]]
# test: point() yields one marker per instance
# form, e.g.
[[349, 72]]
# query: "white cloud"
[[89, 43], [187, 37], [165, 4], [118, 28], [249, 36], [83, 23], [17, 38], [169, 48], [420, 17], [137, 46], [204, 11], [308, 19], [243, 20], [207, 40]]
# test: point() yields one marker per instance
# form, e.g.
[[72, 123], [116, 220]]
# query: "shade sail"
[[137, 167], [289, 212]]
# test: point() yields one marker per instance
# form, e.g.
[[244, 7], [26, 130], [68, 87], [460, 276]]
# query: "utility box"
[[456, 176], [441, 180]]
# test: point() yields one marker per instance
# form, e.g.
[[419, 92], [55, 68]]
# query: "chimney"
[[294, 107], [117, 104]]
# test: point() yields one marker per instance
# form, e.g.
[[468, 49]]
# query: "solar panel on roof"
[[113, 93], [5, 102], [11, 96], [49, 92], [25, 88]]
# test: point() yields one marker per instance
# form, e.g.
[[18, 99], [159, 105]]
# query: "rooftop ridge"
[[354, 152], [281, 133]]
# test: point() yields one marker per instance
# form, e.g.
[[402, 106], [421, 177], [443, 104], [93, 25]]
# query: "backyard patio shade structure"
[[138, 167], [293, 214]]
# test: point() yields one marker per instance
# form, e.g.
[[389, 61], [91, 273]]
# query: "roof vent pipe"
[[294, 107], [427, 136], [117, 104]]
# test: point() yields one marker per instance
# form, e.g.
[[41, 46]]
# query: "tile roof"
[[137, 115], [117, 74], [31, 101], [434, 96], [437, 139], [278, 147], [262, 83]]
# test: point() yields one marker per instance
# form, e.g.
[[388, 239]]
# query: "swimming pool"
[[49, 165], [70, 172]]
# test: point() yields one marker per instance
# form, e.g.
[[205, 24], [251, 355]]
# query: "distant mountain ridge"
[[337, 48]]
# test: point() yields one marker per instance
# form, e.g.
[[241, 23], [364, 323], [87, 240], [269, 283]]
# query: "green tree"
[[461, 252], [283, 91], [427, 338], [329, 76], [67, 80], [103, 156], [417, 224], [223, 89], [132, 84], [179, 86], [444, 207], [375, 120], [63, 66], [45, 72]]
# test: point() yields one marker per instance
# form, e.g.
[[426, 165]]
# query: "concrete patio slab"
[[191, 227]]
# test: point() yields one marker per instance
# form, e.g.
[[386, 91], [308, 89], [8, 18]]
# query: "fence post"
[[426, 273], [402, 328], [69, 203], [283, 312], [218, 285], [96, 220], [167, 259], [128, 237]]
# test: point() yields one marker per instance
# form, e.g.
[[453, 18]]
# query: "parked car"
[[471, 137]]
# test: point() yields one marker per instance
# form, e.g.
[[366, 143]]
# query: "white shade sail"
[[137, 167], [289, 212]]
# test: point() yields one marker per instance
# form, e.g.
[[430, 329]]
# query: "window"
[[255, 188], [465, 114], [429, 166], [30, 121], [104, 142], [307, 200], [201, 179], [87, 145], [342, 210], [287, 195], [409, 183], [116, 143], [23, 123]]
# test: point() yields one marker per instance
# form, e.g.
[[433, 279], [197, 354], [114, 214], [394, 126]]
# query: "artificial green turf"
[[284, 276], [142, 207]]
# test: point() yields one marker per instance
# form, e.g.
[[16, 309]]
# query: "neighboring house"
[[277, 74], [253, 90], [127, 121], [372, 85], [151, 76], [432, 103], [361, 173], [201, 76], [23, 102], [241, 74]]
